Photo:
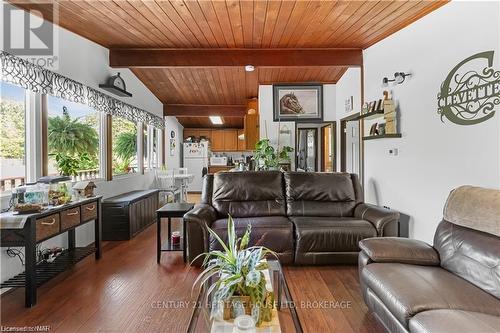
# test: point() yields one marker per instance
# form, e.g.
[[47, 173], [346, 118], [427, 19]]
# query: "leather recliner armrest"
[[399, 250], [383, 219], [197, 220]]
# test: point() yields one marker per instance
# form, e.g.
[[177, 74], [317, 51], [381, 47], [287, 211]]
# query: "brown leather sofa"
[[307, 218], [453, 286]]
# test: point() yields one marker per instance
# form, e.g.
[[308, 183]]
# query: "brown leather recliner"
[[306, 218], [453, 286]]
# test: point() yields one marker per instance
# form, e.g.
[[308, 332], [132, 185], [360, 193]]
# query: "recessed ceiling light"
[[249, 68], [216, 120]]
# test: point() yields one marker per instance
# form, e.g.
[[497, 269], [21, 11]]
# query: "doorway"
[[315, 147], [328, 148], [350, 150], [307, 149]]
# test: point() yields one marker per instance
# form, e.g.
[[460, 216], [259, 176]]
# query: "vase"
[[232, 307]]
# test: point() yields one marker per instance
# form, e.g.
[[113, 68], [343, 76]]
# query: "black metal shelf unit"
[[47, 270]]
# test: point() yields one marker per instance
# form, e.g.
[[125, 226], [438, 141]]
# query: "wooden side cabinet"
[[38, 227]]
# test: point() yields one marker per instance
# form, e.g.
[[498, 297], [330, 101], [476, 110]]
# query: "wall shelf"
[[385, 136], [369, 115]]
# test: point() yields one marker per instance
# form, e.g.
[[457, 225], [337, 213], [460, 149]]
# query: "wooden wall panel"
[[233, 24], [236, 23]]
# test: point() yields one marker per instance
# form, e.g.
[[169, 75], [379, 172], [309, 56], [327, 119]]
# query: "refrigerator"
[[196, 155]]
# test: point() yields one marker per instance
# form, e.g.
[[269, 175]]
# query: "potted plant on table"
[[241, 284]]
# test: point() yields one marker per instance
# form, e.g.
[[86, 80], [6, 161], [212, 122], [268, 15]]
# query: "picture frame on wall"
[[348, 104], [298, 102]]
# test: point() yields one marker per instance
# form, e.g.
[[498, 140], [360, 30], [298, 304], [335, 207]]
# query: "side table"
[[169, 211]]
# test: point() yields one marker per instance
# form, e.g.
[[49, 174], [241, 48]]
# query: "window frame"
[[109, 153], [36, 143], [29, 140], [101, 132]]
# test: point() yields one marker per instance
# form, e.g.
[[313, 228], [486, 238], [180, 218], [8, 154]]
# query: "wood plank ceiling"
[[233, 24]]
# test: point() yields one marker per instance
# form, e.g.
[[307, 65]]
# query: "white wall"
[[171, 124], [269, 129], [434, 157], [87, 62], [348, 85]]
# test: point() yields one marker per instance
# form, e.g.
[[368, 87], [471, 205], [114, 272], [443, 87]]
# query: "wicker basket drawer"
[[70, 218], [47, 226], [89, 211]]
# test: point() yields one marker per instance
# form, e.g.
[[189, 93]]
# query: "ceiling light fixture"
[[249, 68], [216, 120]]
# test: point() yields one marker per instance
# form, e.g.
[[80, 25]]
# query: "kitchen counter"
[[217, 168]]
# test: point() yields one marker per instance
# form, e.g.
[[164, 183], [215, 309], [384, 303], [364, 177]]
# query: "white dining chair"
[[165, 183], [183, 182]]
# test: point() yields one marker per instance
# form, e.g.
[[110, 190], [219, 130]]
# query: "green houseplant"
[[240, 272], [269, 158]]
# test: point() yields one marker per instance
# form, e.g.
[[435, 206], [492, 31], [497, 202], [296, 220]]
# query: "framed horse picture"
[[300, 103]]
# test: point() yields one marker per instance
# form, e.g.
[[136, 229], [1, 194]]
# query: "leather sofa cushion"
[[473, 255], [453, 321], [320, 194], [410, 289], [273, 232], [330, 234], [247, 194], [474, 207]]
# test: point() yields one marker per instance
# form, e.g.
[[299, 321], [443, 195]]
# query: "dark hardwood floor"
[[124, 291]]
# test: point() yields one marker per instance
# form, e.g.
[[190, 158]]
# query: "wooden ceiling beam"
[[147, 57], [190, 110]]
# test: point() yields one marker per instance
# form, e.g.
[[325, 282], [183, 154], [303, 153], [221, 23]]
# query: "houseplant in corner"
[[238, 271]]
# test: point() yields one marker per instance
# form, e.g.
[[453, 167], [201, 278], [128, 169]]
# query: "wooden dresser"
[[128, 214]]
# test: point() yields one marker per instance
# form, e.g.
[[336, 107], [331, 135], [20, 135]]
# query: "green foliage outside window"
[[12, 130], [73, 142]]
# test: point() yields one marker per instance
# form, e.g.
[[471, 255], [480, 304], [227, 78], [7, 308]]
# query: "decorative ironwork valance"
[[20, 72]]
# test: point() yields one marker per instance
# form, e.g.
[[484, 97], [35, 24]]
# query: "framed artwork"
[[348, 105], [172, 144], [300, 103]]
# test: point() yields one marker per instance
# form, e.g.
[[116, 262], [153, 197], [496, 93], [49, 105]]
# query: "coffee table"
[[285, 320]]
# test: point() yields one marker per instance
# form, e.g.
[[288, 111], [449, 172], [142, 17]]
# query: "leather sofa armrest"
[[197, 220], [399, 250], [383, 219]]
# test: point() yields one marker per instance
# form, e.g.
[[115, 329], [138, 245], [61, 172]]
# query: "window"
[[73, 139], [124, 138], [145, 147], [154, 156], [12, 136]]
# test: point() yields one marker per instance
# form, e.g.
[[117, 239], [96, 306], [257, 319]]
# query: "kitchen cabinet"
[[207, 133], [252, 135], [230, 140], [241, 143], [217, 141], [220, 139], [189, 132]]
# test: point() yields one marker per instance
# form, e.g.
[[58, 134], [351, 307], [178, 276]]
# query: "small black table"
[[168, 211]]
